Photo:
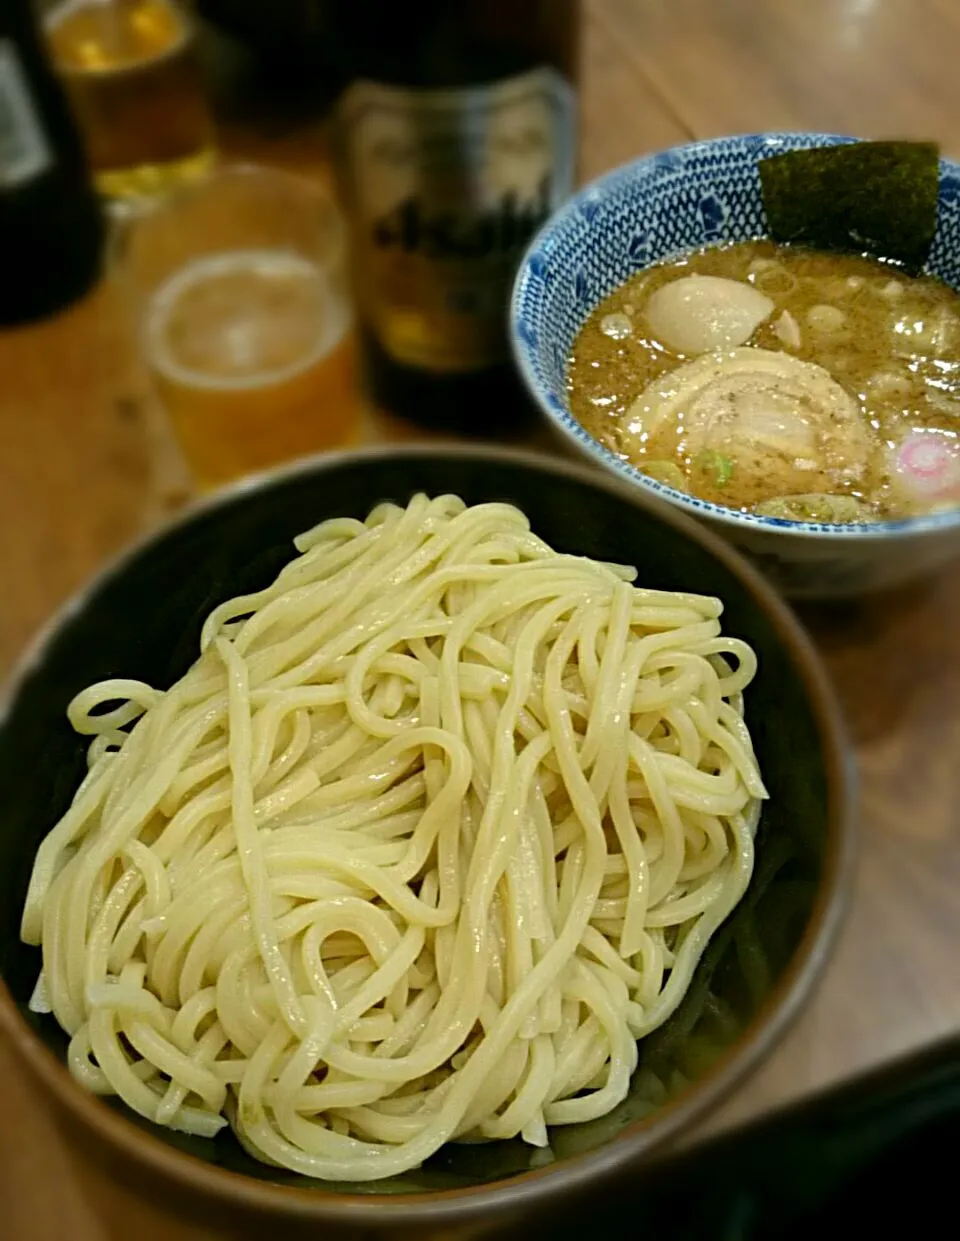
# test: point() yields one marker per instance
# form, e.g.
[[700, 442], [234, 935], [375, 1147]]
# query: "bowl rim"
[[512, 1195], [550, 234]]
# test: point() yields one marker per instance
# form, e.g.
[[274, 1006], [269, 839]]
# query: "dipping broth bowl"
[[660, 206]]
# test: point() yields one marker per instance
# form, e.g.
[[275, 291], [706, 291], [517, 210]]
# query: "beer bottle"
[[455, 139], [51, 230]]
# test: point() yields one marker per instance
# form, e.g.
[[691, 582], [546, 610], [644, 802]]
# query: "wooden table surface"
[[78, 477]]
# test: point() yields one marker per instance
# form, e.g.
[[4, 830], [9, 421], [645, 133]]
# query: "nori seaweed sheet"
[[878, 198]]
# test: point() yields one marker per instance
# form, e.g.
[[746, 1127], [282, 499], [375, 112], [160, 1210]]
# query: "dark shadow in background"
[[872, 1160]]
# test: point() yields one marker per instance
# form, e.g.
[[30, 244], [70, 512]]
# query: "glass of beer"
[[132, 78], [240, 291]]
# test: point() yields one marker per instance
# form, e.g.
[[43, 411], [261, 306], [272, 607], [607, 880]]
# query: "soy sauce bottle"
[[51, 228], [456, 140]]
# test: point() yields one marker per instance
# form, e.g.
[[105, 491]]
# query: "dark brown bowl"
[[141, 618]]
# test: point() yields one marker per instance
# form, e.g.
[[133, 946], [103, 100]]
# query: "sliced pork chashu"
[[777, 425]]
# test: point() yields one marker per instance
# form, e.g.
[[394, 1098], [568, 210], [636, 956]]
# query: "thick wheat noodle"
[[434, 830]]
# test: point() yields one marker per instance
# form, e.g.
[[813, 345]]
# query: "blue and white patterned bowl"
[[656, 207]]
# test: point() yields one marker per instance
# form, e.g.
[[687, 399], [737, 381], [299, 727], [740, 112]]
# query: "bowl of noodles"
[[412, 839], [764, 331]]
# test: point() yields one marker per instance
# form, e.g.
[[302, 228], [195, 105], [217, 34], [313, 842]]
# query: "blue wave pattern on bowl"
[[649, 210]]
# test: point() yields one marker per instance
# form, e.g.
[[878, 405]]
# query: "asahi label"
[[446, 188]]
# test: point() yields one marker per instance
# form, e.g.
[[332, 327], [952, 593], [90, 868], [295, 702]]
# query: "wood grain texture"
[[82, 469], [73, 462], [866, 67], [622, 115]]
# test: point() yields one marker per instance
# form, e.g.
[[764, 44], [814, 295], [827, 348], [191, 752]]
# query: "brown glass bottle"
[[51, 228], [456, 139]]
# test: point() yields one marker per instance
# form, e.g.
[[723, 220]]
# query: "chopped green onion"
[[721, 466]]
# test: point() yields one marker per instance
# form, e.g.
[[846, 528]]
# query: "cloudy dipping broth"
[[793, 383]]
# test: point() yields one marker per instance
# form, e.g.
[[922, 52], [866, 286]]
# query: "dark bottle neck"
[[436, 44], [51, 224]]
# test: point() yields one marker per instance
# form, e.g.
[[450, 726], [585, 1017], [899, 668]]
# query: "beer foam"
[[332, 319], [127, 62]]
